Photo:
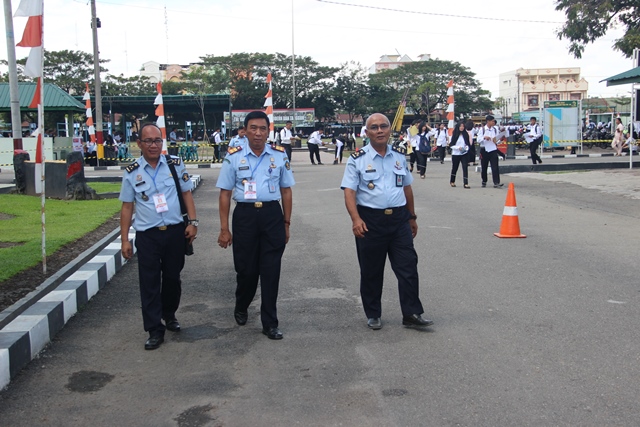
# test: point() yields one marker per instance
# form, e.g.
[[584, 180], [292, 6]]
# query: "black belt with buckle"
[[163, 227], [387, 211], [257, 205]]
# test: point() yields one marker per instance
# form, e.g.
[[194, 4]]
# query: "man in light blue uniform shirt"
[[160, 231], [379, 199], [258, 177], [240, 139]]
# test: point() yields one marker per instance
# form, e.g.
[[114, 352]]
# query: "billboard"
[[562, 123], [305, 117]]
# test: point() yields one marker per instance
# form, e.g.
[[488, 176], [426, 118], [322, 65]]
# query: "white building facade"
[[526, 89]]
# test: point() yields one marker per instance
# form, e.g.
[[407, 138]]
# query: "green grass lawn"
[[105, 187], [66, 220]]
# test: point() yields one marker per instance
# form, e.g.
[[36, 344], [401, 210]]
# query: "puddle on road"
[[195, 416]]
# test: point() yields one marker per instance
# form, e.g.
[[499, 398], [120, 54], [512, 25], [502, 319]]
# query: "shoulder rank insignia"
[[133, 166], [357, 154], [399, 150], [278, 148], [173, 160], [233, 150]]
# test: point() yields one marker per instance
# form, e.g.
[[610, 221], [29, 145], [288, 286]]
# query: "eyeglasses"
[[150, 142], [381, 127]]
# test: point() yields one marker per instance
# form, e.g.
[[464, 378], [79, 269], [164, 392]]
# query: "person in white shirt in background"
[[629, 143], [363, 135], [314, 143], [339, 148], [413, 139], [488, 137], [442, 140], [534, 138], [460, 143], [286, 138], [217, 140]]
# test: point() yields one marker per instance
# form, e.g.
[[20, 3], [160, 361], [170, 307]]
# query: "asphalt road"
[[539, 331]]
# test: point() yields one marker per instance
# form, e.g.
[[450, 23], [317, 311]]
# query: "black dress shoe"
[[154, 342], [498, 185], [416, 320], [374, 323], [320, 163], [241, 317], [272, 333], [172, 325]]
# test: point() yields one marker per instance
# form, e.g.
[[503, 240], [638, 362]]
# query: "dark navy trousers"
[[160, 261], [388, 235], [258, 244]]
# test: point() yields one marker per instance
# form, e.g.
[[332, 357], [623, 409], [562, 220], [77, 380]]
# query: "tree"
[[589, 20], [69, 69], [127, 86], [351, 90], [201, 81], [427, 84]]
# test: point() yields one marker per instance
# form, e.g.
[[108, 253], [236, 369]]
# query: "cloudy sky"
[[488, 37]]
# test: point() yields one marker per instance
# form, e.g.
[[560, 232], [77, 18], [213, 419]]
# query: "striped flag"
[[268, 104], [33, 37], [450, 107], [160, 113]]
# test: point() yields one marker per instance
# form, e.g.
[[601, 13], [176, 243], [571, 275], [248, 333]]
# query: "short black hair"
[[533, 119], [147, 125], [288, 121], [256, 115], [490, 117]]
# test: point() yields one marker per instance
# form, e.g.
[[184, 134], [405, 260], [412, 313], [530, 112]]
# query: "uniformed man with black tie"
[[259, 178], [160, 231], [379, 199]]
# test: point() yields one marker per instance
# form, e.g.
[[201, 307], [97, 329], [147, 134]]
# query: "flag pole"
[[41, 143], [16, 123]]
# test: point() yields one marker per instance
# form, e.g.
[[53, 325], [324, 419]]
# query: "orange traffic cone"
[[510, 226]]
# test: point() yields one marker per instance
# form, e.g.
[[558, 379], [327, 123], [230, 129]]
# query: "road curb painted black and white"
[[43, 316]]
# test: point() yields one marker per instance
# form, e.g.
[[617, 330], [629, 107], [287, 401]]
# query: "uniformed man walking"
[[258, 177], [161, 234], [379, 199]]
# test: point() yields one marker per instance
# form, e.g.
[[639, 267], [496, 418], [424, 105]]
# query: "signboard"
[[525, 116], [560, 104], [77, 143], [305, 117], [562, 124]]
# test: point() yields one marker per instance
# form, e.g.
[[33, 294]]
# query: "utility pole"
[[293, 69], [16, 119], [96, 68]]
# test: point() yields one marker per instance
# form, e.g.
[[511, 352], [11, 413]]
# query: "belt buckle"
[[388, 211], [258, 204], [162, 228]]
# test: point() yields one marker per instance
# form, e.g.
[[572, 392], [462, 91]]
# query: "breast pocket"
[[367, 178], [243, 174], [273, 177], [142, 187], [399, 176]]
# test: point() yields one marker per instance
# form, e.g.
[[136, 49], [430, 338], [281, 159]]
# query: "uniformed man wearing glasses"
[[379, 199], [160, 231]]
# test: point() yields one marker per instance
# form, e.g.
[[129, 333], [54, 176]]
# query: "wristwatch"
[[413, 217], [193, 222]]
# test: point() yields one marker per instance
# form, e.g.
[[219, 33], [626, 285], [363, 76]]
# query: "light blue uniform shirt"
[[236, 141], [270, 171], [149, 181], [388, 175]]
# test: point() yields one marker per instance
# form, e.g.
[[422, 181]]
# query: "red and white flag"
[[268, 104], [33, 38], [160, 113], [87, 103], [450, 107]]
